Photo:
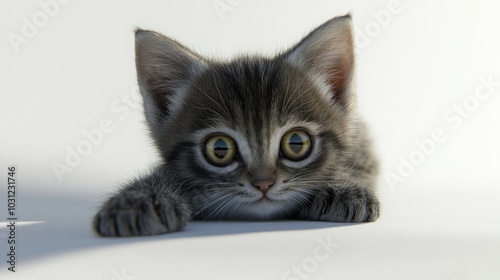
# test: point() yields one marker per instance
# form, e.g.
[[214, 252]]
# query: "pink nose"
[[263, 184]]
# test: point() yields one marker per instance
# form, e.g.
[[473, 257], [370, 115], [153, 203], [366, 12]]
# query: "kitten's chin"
[[264, 208], [256, 209]]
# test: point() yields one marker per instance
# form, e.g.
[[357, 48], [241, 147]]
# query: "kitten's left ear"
[[164, 68], [328, 53]]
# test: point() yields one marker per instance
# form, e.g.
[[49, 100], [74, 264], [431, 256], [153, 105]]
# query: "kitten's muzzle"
[[263, 184]]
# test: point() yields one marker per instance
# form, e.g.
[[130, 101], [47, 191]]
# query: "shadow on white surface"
[[51, 225]]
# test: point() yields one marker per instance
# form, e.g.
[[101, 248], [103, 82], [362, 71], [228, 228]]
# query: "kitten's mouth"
[[264, 199]]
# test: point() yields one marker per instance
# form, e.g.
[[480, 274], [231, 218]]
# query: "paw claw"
[[135, 214]]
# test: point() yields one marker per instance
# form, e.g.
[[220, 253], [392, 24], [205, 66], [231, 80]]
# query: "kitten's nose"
[[263, 184]]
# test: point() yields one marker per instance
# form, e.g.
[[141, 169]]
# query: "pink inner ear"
[[328, 52], [338, 77], [333, 59]]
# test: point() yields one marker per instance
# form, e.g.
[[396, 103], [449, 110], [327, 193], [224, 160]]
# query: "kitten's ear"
[[164, 69], [328, 53]]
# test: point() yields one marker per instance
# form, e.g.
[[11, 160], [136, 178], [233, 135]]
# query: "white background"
[[417, 61]]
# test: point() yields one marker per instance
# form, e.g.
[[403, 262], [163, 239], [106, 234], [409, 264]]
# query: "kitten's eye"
[[220, 150], [296, 145]]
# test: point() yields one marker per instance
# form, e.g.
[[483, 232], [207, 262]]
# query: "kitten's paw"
[[134, 213], [345, 205]]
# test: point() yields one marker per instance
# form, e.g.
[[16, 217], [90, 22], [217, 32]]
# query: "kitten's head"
[[252, 137]]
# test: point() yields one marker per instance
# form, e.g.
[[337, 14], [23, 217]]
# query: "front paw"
[[135, 213], [344, 205]]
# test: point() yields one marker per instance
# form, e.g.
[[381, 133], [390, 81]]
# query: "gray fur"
[[147, 205], [254, 100]]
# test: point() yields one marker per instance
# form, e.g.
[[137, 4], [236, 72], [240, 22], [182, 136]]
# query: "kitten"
[[254, 138]]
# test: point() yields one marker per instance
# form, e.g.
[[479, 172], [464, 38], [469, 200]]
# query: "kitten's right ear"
[[164, 69], [328, 53]]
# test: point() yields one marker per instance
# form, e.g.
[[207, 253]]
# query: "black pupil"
[[296, 143], [220, 148]]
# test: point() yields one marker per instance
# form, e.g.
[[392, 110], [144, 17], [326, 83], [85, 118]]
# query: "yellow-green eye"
[[296, 145], [220, 150]]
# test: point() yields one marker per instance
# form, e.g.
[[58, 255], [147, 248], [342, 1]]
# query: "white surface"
[[442, 222]]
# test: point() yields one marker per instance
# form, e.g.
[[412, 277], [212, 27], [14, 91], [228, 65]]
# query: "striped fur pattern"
[[255, 101]]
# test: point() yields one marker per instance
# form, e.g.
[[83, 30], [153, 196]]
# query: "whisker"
[[211, 203], [214, 213]]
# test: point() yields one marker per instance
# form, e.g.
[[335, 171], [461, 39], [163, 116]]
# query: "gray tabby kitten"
[[254, 138]]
